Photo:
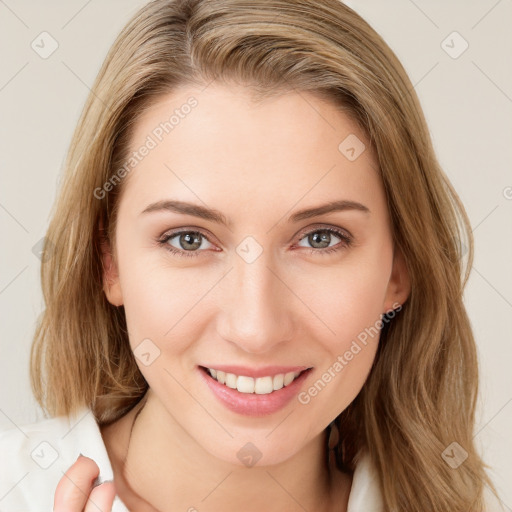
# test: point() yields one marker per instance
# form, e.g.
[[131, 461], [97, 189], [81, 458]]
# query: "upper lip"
[[264, 371]]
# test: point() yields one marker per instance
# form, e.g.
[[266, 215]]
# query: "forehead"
[[216, 142]]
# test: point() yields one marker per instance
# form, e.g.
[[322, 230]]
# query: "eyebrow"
[[213, 215]]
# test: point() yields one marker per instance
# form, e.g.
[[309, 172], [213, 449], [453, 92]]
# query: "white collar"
[[365, 495], [34, 457]]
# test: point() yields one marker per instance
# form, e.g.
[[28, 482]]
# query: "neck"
[[159, 466]]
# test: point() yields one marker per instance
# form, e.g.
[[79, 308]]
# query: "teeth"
[[231, 380], [259, 385], [288, 378], [278, 381]]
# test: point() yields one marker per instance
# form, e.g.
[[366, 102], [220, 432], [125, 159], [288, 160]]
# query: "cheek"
[[350, 305], [160, 299], [158, 302], [349, 295]]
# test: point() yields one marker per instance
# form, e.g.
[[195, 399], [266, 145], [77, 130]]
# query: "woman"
[[256, 287]]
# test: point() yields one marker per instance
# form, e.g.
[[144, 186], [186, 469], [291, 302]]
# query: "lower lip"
[[252, 404]]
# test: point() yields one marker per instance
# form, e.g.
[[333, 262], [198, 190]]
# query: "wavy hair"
[[421, 393]]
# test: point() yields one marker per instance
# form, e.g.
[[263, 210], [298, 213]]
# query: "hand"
[[74, 491]]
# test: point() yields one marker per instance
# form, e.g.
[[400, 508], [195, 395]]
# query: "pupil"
[[323, 239], [193, 241]]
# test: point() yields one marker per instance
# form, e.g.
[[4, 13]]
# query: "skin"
[[293, 305]]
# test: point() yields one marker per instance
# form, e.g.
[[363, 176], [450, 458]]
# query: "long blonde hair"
[[421, 393]]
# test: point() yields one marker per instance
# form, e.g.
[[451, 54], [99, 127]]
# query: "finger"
[[101, 498], [75, 486]]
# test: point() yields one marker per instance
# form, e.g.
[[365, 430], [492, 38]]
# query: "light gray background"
[[467, 102]]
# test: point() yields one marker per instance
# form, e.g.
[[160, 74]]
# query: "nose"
[[256, 307]]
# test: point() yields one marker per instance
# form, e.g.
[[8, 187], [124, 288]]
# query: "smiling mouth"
[[260, 385]]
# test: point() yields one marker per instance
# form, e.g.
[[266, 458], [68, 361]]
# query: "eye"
[[321, 238], [191, 243], [184, 243]]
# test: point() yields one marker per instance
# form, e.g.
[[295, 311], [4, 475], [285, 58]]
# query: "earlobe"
[[111, 284], [399, 286]]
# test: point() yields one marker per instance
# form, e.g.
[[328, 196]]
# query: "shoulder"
[[35, 456]]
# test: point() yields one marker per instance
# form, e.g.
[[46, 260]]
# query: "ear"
[[399, 286], [111, 284]]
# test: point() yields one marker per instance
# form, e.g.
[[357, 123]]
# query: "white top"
[[34, 458]]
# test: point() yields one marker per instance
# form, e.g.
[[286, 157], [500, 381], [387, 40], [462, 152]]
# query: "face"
[[217, 266]]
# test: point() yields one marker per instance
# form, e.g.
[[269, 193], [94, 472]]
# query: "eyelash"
[[345, 243]]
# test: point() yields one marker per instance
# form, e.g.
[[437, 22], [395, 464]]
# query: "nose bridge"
[[255, 312]]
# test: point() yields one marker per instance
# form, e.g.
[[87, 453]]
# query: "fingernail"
[[81, 455]]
